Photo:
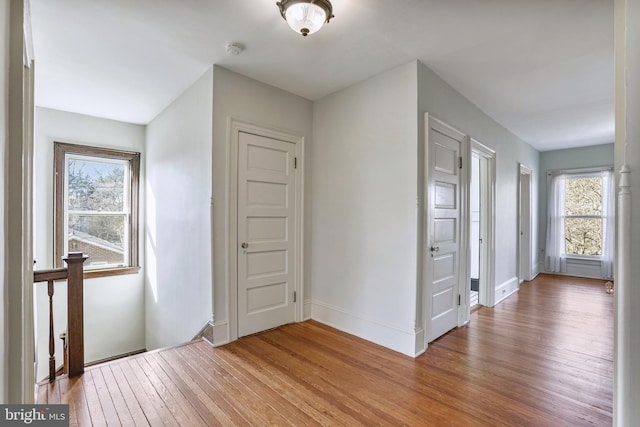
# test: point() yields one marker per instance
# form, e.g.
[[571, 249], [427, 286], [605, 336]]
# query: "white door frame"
[[234, 127], [487, 221], [524, 224], [20, 357]]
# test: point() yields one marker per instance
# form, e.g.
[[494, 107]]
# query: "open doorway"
[[524, 220], [475, 241], [481, 225]]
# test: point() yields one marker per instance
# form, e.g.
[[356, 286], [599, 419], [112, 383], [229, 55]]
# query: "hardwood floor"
[[544, 357]]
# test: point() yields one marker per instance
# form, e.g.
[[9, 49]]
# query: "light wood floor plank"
[[176, 406], [191, 415], [543, 357], [152, 404], [238, 415], [263, 388], [202, 404], [363, 390], [42, 393], [322, 411], [67, 398], [210, 406], [244, 395], [106, 398], [131, 400], [119, 402], [93, 401]]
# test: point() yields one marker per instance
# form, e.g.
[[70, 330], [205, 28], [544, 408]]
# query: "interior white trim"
[[221, 333], [28, 319], [234, 127], [464, 292], [525, 230], [487, 210], [307, 309], [506, 289], [579, 170], [387, 335], [623, 382]]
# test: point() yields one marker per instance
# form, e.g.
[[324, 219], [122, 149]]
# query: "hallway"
[[542, 357]]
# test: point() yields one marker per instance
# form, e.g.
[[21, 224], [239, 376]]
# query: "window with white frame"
[[583, 215], [581, 219], [96, 206]]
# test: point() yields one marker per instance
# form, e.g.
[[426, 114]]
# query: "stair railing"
[[73, 274]]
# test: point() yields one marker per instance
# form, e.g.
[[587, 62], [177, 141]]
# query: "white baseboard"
[[396, 338], [390, 336], [541, 268], [506, 289], [221, 333], [420, 345], [307, 309], [536, 270]]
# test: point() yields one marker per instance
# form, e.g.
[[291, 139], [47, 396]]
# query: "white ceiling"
[[541, 68]]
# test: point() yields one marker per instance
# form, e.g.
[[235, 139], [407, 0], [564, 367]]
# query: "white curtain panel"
[[608, 223], [556, 262]]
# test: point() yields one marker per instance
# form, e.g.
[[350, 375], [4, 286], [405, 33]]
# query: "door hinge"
[[460, 162], [295, 296], [295, 163], [459, 299]]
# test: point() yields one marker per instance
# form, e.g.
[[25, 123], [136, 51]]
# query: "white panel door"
[[443, 228], [266, 233]]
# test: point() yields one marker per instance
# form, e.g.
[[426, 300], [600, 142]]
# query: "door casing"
[[524, 223], [487, 220]]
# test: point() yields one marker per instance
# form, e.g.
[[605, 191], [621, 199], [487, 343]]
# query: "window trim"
[[578, 173], [61, 149]]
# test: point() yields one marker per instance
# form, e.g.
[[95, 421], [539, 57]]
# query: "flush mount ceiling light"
[[306, 16]]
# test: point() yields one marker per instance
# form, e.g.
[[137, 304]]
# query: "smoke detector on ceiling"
[[234, 48]]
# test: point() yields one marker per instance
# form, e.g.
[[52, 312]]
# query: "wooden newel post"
[[75, 313]]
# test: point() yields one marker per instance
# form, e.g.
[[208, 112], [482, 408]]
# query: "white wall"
[[572, 158], [178, 221], [364, 208], [250, 100], [113, 306], [443, 102], [367, 178], [627, 410], [4, 130]]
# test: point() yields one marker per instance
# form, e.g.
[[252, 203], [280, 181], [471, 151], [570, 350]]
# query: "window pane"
[[101, 237], [583, 196], [95, 186], [583, 236]]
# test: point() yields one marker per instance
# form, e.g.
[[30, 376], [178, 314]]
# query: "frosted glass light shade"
[[305, 18]]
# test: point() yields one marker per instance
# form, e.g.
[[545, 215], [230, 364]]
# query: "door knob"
[[244, 245], [435, 248]]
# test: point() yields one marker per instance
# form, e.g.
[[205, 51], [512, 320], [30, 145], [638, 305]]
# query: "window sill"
[[93, 274]]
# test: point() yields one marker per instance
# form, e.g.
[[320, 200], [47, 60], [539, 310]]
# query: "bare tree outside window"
[[583, 216], [96, 209]]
